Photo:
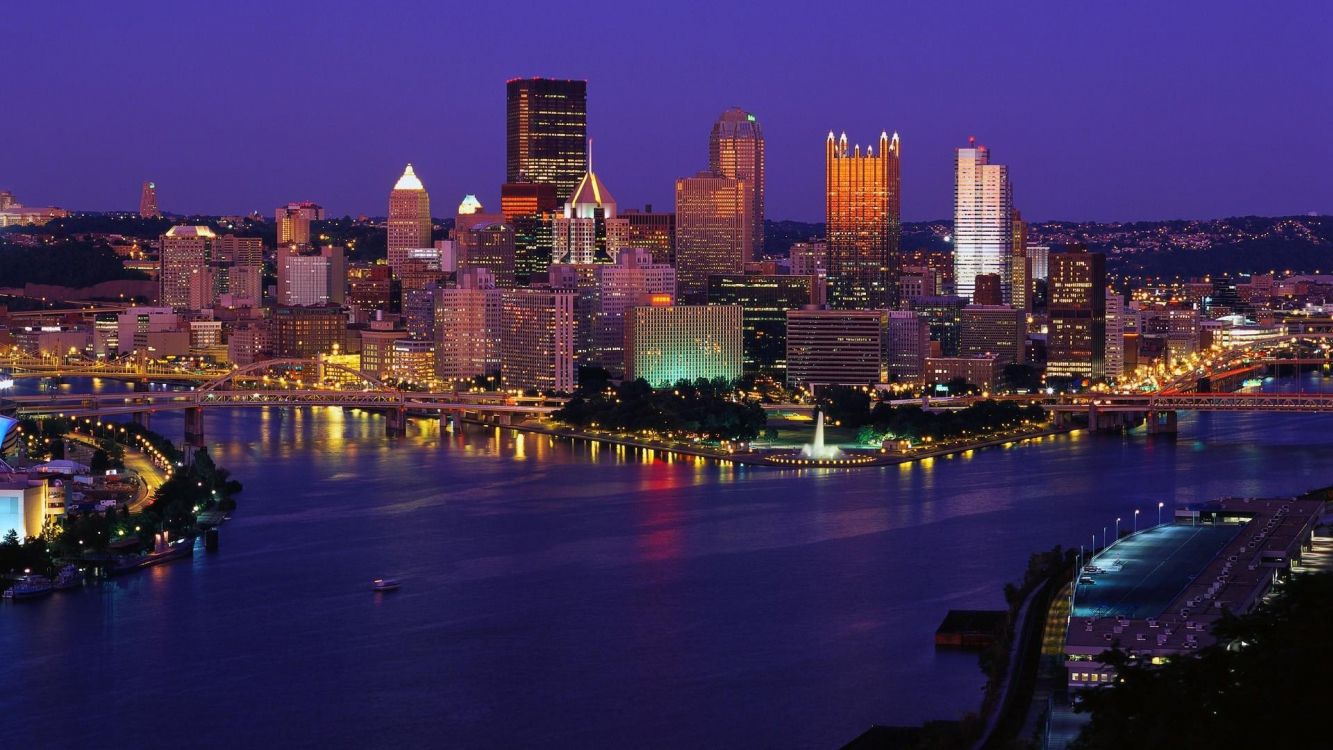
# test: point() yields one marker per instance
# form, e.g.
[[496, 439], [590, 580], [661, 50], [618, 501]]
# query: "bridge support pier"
[[1162, 423], [194, 430], [1108, 421], [142, 418], [395, 424], [141, 386]]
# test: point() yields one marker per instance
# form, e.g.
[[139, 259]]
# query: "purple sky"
[[1102, 110]]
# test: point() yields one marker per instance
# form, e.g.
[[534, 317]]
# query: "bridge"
[[315, 383], [22, 365]]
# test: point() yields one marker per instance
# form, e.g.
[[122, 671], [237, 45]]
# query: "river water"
[[561, 595]]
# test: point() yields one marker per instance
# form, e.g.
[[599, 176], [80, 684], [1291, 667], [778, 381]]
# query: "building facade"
[[764, 300], [546, 132], [1076, 332], [982, 216], [537, 339], [713, 231], [736, 151], [409, 218], [863, 212], [835, 347], [665, 343]]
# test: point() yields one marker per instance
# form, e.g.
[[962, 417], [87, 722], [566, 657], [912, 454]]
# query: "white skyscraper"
[[982, 220], [1115, 334]]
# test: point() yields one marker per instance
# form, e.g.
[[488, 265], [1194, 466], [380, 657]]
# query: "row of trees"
[[852, 407], [712, 409], [73, 263]]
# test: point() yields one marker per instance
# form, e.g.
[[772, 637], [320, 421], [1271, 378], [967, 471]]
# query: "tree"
[[100, 462]]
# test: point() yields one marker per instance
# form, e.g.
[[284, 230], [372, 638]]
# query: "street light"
[[1103, 537], [1159, 513], [1117, 527], [1136, 520]]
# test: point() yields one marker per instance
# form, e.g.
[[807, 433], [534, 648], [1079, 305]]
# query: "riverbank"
[[764, 457]]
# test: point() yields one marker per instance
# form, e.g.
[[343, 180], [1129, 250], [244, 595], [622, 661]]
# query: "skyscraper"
[[530, 208], [409, 218], [546, 133], [293, 222], [736, 150], [863, 210], [713, 226], [147, 201], [1020, 270], [982, 216], [581, 234], [184, 278], [1076, 337]]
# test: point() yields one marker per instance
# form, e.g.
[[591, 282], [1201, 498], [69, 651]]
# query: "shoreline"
[[761, 458]]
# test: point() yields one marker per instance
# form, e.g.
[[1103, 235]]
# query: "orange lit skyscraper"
[[864, 215], [736, 150], [546, 133], [409, 218]]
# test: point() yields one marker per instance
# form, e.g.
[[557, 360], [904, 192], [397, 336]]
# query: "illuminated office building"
[[906, 345], [665, 343], [308, 278], [993, 329], [581, 233], [488, 245], [147, 202], [982, 220], [467, 327], [183, 278], [713, 231], [1076, 331], [764, 300], [736, 150], [835, 347], [546, 133], [293, 222], [655, 231], [1020, 266], [537, 339], [409, 218], [368, 286], [863, 211]]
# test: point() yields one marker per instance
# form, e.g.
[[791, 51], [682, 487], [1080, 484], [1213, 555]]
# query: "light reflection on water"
[[584, 594]]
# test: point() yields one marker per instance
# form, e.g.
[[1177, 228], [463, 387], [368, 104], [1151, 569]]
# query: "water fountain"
[[817, 453]]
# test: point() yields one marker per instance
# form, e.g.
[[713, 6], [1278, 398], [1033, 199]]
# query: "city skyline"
[[1170, 92]]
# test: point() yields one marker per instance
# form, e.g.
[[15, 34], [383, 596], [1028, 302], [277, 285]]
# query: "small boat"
[[29, 587], [385, 584], [70, 577]]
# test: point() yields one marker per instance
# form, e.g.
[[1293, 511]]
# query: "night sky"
[[1124, 110]]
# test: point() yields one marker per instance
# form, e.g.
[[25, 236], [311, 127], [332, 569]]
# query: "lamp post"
[[1159, 513], [1117, 528], [1103, 537], [1136, 520], [1093, 552]]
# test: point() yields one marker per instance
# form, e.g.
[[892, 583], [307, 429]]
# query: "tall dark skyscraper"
[[736, 150], [547, 133]]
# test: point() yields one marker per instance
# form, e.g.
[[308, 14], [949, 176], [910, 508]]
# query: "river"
[[560, 595]]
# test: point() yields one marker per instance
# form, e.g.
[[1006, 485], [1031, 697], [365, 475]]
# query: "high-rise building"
[[530, 208], [906, 345], [147, 202], [581, 233], [1020, 267], [665, 343], [647, 229], [1039, 258], [764, 300], [1076, 333], [944, 315], [488, 245], [736, 150], [537, 339], [982, 216], [604, 294], [293, 222], [183, 279], [409, 218], [713, 231], [308, 278], [306, 332], [993, 329], [809, 258], [467, 327], [835, 347], [863, 211], [546, 133], [1115, 334], [368, 286], [989, 290]]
